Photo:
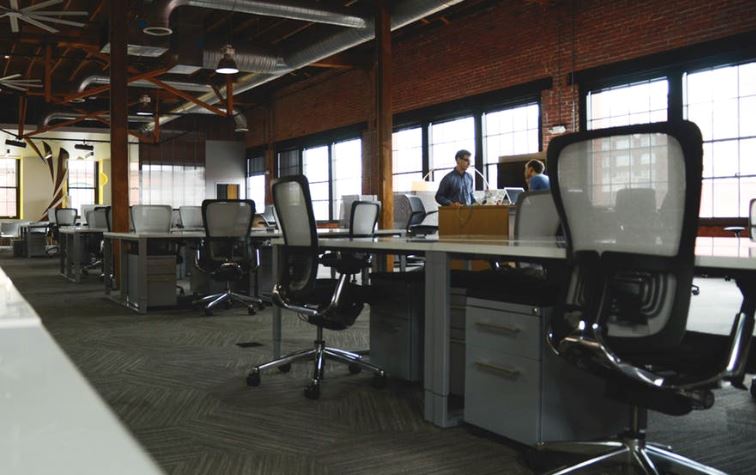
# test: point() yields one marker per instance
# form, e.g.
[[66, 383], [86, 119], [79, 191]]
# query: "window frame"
[[17, 188], [95, 188]]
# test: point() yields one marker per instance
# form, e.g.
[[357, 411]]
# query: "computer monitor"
[[513, 193], [269, 217]]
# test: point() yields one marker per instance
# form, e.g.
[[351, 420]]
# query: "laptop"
[[513, 193]]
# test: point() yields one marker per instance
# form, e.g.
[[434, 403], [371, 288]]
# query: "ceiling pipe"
[[405, 13], [71, 116], [99, 80], [160, 18]]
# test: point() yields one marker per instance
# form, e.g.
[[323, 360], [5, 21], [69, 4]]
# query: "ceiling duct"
[[71, 116], [99, 80], [160, 18], [404, 13]]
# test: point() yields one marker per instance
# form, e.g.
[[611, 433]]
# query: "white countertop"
[[52, 420], [255, 233], [79, 229]]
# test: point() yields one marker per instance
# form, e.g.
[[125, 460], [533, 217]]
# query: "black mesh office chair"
[[415, 226], [623, 313], [98, 218], [63, 217], [227, 254], [333, 304]]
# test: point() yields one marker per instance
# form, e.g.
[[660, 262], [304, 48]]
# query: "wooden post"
[[119, 127], [383, 112]]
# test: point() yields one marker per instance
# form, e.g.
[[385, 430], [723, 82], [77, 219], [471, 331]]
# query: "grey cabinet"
[[517, 387]]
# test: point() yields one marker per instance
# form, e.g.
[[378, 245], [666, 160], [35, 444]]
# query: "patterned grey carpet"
[[176, 379]]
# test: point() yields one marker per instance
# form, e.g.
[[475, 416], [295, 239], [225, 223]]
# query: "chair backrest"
[[633, 280], [291, 198], [88, 218], [363, 218], [10, 229], [417, 210], [51, 215], [65, 216], [191, 216], [227, 218], [537, 218], [101, 218], [84, 212], [151, 218], [752, 220]]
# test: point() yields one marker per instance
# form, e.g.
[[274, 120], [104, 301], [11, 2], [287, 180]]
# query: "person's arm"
[[442, 193]]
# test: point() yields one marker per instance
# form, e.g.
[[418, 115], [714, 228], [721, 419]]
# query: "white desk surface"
[[79, 229], [52, 420], [721, 253], [254, 233]]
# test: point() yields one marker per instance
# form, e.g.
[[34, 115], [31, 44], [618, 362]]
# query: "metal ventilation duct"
[[98, 80], [69, 116], [160, 19], [405, 13]]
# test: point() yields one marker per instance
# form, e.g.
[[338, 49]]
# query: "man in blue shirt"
[[456, 188], [535, 177]]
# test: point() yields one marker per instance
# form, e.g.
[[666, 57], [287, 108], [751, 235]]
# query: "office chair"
[[151, 218], [363, 220], [417, 216], [333, 304], [227, 254], [191, 217], [63, 217], [9, 230], [623, 313], [98, 218]]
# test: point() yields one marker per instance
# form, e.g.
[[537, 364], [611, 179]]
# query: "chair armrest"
[[430, 213], [282, 302]]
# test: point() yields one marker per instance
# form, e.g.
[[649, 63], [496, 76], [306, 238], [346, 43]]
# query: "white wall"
[[224, 163]]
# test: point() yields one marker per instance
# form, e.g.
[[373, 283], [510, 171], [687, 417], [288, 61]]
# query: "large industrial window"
[[256, 181], [722, 102], [627, 104], [346, 162], [82, 183], [445, 139], [172, 185], [511, 131], [407, 158], [315, 167], [9, 184]]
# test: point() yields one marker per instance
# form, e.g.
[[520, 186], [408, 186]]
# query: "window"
[[347, 172], [511, 131], [445, 139], [9, 184], [315, 167], [289, 163], [722, 102], [637, 103], [82, 183], [407, 158], [256, 181], [173, 185]]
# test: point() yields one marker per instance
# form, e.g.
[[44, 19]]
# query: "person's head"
[[463, 160], [533, 167]]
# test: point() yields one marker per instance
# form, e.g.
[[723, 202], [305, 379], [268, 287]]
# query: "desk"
[[730, 256], [53, 421], [69, 250]]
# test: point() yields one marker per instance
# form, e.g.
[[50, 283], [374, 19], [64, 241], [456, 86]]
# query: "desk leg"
[[277, 261], [142, 275], [107, 264], [76, 259], [437, 333], [61, 256], [747, 285]]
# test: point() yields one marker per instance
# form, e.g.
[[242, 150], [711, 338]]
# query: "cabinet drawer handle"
[[498, 328], [507, 372]]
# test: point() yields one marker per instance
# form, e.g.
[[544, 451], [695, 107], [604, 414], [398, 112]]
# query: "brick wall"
[[511, 43]]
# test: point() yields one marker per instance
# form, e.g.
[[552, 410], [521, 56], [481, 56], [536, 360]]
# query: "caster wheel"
[[208, 312], [253, 379], [312, 391], [379, 381], [354, 368], [285, 368], [251, 310]]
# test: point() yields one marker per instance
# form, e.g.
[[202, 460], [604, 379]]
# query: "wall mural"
[[58, 173]]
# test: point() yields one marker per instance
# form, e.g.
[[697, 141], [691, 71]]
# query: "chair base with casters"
[[229, 272], [631, 447], [320, 352]]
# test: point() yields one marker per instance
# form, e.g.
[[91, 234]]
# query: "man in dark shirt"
[[456, 188]]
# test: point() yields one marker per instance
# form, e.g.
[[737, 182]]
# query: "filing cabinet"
[[161, 280], [517, 387]]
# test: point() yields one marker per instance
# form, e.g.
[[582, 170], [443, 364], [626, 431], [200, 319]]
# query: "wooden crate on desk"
[[474, 221]]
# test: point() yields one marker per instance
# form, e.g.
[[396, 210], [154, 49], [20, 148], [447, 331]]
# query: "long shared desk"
[[53, 421], [717, 256]]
